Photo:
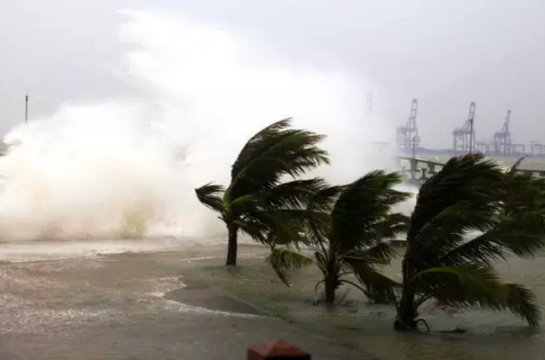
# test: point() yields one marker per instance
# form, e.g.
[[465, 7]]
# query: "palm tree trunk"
[[406, 313], [330, 289], [330, 277], [232, 246]]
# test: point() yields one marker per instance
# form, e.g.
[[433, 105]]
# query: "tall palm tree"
[[349, 235], [442, 260], [256, 202]]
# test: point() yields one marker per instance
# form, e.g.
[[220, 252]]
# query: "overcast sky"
[[446, 53]]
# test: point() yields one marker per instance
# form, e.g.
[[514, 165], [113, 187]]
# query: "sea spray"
[[128, 167]]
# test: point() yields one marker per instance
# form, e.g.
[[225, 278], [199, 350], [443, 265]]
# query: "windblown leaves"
[[275, 151], [361, 207], [475, 285], [209, 195], [283, 259], [348, 225], [257, 202], [468, 216]]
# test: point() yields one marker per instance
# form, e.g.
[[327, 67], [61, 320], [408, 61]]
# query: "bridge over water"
[[416, 170]]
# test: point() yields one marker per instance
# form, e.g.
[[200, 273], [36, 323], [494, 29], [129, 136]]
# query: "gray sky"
[[444, 52]]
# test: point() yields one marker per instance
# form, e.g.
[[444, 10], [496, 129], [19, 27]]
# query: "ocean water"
[[122, 299]]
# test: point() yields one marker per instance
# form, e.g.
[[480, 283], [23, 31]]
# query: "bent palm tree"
[[524, 198], [349, 235], [256, 201], [469, 195]]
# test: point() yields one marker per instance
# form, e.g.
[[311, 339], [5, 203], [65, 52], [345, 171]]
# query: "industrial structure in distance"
[[463, 139]]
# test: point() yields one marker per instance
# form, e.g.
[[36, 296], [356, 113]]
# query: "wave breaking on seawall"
[[127, 168]]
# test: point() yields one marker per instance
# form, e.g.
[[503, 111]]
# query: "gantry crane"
[[407, 135], [463, 138], [502, 138]]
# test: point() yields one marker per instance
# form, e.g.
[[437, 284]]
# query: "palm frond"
[[523, 302], [524, 198], [466, 179], [325, 196], [253, 228], [475, 285], [464, 285], [362, 204], [519, 226], [516, 165], [470, 194], [510, 235], [321, 261], [285, 259], [293, 235], [273, 152], [378, 287], [389, 227], [450, 227], [298, 194], [209, 195], [318, 215], [248, 203], [283, 226], [271, 226], [379, 254]]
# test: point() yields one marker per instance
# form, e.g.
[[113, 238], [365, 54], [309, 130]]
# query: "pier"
[[416, 171]]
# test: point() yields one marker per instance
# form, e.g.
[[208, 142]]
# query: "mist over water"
[[127, 168]]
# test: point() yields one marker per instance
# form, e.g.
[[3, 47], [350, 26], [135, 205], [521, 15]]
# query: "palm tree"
[[256, 202], [470, 195], [524, 197], [348, 235]]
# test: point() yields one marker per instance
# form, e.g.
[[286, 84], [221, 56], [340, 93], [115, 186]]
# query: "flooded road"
[[133, 305], [166, 299]]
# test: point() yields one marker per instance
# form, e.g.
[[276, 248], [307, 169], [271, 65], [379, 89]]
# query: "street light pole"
[[26, 108]]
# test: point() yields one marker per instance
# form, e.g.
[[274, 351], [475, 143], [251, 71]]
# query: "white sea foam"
[[128, 167]]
